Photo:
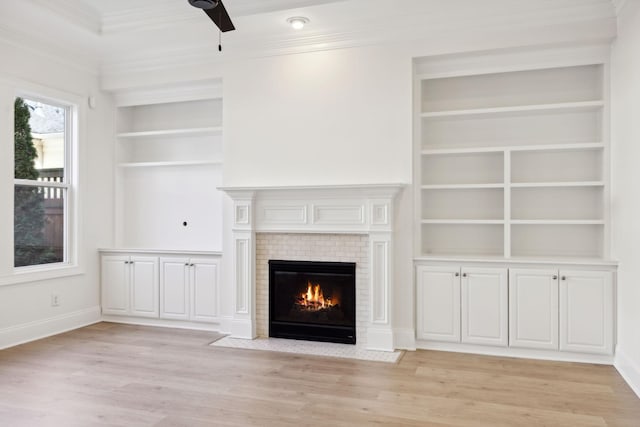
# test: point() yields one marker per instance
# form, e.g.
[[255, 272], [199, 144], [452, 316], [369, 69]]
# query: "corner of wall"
[[628, 369]]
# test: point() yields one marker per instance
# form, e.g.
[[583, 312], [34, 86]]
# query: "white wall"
[[25, 308], [625, 122], [332, 117]]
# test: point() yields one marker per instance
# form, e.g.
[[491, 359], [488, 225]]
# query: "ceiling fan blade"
[[220, 17]]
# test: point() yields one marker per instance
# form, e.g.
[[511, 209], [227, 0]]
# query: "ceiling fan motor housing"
[[204, 4]]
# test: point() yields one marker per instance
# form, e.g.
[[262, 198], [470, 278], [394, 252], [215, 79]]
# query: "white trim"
[[404, 338], [629, 370], [516, 352], [157, 251], [36, 273], [163, 323], [20, 334]]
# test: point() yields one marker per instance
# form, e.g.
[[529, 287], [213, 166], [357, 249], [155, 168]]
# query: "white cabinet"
[[130, 285], [189, 288], [438, 309], [586, 311], [485, 306], [541, 308], [533, 308]]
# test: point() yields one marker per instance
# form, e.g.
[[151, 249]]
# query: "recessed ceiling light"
[[298, 22]]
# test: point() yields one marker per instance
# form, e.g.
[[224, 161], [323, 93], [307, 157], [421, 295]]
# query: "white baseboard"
[[629, 370], [404, 339], [559, 356], [162, 323], [20, 334]]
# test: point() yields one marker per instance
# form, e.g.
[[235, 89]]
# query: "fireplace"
[[312, 300]]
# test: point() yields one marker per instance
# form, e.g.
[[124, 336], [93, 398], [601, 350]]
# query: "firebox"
[[312, 300]]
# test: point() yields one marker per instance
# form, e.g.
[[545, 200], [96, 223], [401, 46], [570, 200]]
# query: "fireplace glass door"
[[312, 300]]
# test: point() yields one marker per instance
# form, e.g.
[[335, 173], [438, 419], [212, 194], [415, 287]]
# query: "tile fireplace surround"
[[355, 222]]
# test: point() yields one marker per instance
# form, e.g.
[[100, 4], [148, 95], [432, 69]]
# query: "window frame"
[[74, 132]]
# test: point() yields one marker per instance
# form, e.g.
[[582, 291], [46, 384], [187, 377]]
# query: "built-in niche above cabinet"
[[512, 164], [169, 165]]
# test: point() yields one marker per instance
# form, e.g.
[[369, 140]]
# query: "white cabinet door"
[[115, 284], [144, 286], [533, 308], [174, 288], [586, 311], [438, 303], [485, 306], [204, 289]]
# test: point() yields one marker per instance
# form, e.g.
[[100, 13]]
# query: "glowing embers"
[[314, 300]]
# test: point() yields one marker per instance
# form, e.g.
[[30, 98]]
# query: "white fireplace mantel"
[[340, 209]]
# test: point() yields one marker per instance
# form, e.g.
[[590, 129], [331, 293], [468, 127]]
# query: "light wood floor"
[[120, 375]]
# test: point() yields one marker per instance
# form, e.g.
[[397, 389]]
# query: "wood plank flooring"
[[119, 375]]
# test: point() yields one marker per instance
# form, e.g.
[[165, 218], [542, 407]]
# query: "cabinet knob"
[[555, 277], [564, 277], [464, 274], [126, 262], [457, 274], [187, 264], [191, 265]]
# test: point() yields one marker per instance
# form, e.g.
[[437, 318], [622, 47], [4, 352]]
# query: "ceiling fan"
[[218, 14]]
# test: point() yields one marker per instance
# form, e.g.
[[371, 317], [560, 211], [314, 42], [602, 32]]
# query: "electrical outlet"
[[55, 300]]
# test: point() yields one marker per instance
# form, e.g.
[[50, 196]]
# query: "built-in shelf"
[[159, 164], [557, 222], [462, 221], [512, 164], [557, 184], [565, 106], [168, 166], [460, 186], [496, 149], [216, 130]]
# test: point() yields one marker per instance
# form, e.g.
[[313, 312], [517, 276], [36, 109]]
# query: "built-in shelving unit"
[[512, 164], [169, 164]]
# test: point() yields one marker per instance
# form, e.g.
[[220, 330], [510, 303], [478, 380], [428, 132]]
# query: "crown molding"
[[75, 12], [591, 25]]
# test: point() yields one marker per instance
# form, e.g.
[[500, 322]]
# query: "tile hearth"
[[345, 351]]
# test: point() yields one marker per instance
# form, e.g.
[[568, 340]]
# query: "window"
[[41, 181]]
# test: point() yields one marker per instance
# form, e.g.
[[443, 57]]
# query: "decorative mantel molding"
[[347, 209]]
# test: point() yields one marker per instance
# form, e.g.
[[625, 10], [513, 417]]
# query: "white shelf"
[[556, 222], [513, 164], [567, 106], [160, 164], [463, 221], [496, 149], [557, 184], [172, 132], [460, 186]]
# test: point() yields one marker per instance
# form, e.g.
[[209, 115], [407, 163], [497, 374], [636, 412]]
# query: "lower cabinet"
[[586, 311], [188, 289], [175, 287], [542, 309], [485, 306], [438, 295], [130, 285], [533, 303]]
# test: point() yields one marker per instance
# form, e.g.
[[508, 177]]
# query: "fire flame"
[[313, 299]]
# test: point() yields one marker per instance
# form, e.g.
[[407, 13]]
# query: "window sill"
[[40, 273]]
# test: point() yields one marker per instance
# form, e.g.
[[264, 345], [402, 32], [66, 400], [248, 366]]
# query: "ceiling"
[[114, 35]]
